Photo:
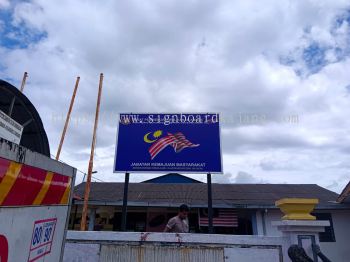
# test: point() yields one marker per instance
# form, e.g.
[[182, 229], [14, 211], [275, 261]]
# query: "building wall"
[[159, 247], [154, 219], [338, 251]]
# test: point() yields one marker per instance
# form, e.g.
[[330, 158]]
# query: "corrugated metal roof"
[[196, 194], [34, 136]]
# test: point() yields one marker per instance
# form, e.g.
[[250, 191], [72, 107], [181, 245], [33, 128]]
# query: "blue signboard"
[[186, 143]]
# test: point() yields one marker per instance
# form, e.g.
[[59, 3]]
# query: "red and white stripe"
[[224, 218], [160, 145], [178, 141], [182, 142]]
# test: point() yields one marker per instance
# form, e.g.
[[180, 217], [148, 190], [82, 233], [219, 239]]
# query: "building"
[[241, 209], [344, 197]]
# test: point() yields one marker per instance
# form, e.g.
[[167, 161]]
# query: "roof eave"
[[323, 206]]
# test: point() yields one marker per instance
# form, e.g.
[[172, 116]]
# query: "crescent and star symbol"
[[155, 135]]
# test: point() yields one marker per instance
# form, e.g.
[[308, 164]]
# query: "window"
[[328, 234]]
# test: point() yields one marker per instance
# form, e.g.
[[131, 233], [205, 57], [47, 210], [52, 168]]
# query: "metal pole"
[[67, 119], [71, 194], [210, 205], [74, 216], [24, 81], [125, 202], [11, 106], [91, 162]]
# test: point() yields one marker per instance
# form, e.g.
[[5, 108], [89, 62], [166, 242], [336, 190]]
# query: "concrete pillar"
[[92, 216], [301, 232]]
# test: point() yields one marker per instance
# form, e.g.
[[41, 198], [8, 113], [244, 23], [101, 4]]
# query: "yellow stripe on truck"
[[45, 187], [65, 196], [9, 180]]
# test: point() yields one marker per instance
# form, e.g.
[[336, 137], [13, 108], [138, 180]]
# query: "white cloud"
[[195, 56], [4, 4]]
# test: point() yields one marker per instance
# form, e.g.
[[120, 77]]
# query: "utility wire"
[[82, 172]]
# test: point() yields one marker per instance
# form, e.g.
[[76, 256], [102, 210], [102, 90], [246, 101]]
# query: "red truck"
[[35, 196], [35, 190]]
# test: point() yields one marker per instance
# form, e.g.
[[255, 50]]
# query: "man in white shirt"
[[179, 223]]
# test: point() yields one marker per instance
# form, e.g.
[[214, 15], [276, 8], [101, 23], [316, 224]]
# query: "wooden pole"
[[25, 75], [91, 162], [67, 118]]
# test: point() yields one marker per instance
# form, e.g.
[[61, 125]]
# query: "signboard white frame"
[[10, 129]]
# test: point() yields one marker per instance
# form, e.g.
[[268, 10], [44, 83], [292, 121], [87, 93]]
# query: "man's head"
[[183, 211]]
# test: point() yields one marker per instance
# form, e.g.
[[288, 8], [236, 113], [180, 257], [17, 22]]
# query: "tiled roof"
[[224, 195]]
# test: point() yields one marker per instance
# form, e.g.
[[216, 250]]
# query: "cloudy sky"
[[277, 70]]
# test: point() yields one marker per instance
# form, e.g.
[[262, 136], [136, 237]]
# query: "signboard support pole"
[[210, 205], [125, 202]]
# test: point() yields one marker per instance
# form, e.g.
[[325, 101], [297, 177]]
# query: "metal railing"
[[297, 254]]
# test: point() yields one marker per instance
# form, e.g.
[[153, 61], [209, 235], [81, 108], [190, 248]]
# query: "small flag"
[[222, 217]]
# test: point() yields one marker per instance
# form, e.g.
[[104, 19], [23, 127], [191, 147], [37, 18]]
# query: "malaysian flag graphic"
[[222, 217], [178, 141]]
